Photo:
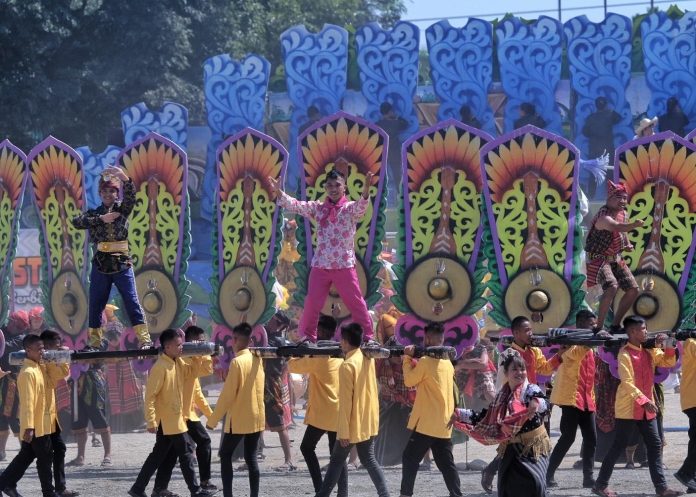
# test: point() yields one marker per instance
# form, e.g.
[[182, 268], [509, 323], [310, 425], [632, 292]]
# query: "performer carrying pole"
[[322, 404], [605, 266], [111, 264], [334, 258], [430, 417], [635, 406], [687, 393]]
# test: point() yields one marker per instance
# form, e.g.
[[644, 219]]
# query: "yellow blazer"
[[241, 398], [322, 403], [358, 404], [32, 399], [687, 390], [434, 382], [53, 373], [164, 392]]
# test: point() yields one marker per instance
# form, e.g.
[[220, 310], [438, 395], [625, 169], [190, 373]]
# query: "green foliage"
[[71, 66]]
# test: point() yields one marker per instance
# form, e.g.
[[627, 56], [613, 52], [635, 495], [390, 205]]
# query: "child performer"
[[322, 404], [334, 258], [111, 264], [36, 439], [635, 406], [164, 412], [241, 401], [430, 418], [358, 413]]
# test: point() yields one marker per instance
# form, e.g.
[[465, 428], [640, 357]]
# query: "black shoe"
[[209, 486], [11, 492], [135, 493], [203, 493], [551, 483], [588, 482], [689, 483]]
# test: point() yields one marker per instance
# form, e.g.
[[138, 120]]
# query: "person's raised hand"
[[368, 184]]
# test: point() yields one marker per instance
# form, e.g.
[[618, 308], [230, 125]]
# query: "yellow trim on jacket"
[[164, 392], [322, 397], [434, 405], [628, 396], [358, 398], [241, 398]]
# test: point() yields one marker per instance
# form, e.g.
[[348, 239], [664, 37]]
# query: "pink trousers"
[[346, 281]]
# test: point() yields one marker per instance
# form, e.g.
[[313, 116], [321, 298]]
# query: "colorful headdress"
[[109, 181], [36, 312], [508, 353], [616, 189]]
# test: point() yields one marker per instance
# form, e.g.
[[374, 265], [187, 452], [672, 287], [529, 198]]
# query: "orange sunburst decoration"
[[155, 157], [529, 153], [341, 136], [449, 146], [52, 164], [250, 155], [12, 167], [670, 159]]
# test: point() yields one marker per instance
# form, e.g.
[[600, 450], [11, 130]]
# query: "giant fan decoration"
[[171, 121], [530, 189], [58, 193], [248, 237], [441, 276], [159, 239], [356, 147], [658, 172], [13, 180]]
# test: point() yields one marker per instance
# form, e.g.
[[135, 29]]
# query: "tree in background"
[[71, 66]]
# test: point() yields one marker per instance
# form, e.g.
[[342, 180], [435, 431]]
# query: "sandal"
[[286, 468], [106, 462], [604, 492], [76, 462], [96, 442]]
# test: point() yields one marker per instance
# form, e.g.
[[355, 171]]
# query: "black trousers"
[[366, 454], [227, 446], [200, 437], [418, 444], [653, 445], [58, 460], [571, 419], [183, 447], [688, 468], [40, 449], [308, 446]]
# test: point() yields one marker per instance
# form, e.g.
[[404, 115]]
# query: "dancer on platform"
[[36, 439], [687, 472], [334, 257], [193, 398], [535, 363], [635, 406], [164, 412], [358, 413], [605, 265], [241, 400], [322, 404], [515, 421], [573, 392], [432, 411], [111, 264]]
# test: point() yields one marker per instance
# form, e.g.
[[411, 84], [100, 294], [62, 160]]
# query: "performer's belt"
[[120, 246], [535, 442], [602, 257]]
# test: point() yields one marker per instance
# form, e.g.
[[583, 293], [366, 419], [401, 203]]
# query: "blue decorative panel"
[[171, 121], [530, 67], [669, 52], [388, 63], [235, 98], [599, 55], [316, 68], [461, 67], [92, 166]]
